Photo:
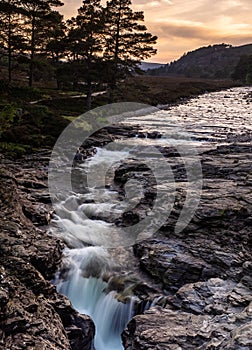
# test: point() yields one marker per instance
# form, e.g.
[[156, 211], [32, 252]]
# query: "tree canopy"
[[101, 44], [127, 39], [243, 70]]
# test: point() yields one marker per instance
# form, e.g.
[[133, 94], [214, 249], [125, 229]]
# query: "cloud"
[[183, 25], [70, 7], [186, 25], [185, 29]]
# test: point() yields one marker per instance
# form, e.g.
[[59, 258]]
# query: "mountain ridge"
[[216, 61], [150, 65]]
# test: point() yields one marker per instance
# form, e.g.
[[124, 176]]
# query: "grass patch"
[[165, 90], [25, 93], [13, 150], [16, 93], [66, 106], [37, 127], [70, 118]]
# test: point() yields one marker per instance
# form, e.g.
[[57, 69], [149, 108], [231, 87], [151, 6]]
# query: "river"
[[99, 258]]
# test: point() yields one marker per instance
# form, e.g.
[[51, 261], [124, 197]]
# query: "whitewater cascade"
[[87, 292], [85, 268]]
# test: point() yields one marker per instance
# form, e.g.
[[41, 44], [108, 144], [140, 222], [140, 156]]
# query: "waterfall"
[[87, 265], [83, 284], [94, 284]]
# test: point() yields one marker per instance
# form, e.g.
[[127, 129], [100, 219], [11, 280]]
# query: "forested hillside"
[[212, 62]]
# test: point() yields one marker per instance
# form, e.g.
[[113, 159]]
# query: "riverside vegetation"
[[98, 50], [26, 126]]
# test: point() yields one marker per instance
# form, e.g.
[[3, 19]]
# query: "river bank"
[[26, 126], [32, 314], [164, 90], [202, 274]]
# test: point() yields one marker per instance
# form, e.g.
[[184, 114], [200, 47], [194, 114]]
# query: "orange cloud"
[[70, 7], [182, 26]]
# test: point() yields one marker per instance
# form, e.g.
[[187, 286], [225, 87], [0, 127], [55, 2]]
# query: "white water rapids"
[[86, 265], [88, 296], [81, 219]]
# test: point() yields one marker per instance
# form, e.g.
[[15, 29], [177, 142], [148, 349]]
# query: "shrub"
[[24, 93], [7, 116], [249, 78]]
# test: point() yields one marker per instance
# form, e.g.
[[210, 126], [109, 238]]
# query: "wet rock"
[[80, 328], [204, 315], [171, 263], [205, 270], [215, 296], [149, 135], [38, 215], [185, 331], [123, 130], [182, 330], [32, 314], [129, 218], [129, 169], [42, 198], [32, 184], [108, 134]]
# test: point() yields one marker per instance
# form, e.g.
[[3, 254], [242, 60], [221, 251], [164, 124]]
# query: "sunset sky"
[[184, 25]]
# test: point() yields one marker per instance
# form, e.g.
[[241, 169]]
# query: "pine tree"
[[55, 39], [243, 70], [36, 13], [127, 39], [86, 42], [11, 38]]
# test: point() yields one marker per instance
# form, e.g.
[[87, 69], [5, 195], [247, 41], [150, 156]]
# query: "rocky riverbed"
[[203, 275], [33, 315], [206, 269]]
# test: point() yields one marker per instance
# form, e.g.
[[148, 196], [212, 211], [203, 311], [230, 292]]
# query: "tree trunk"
[[89, 95], [32, 52], [58, 84], [114, 75], [9, 48]]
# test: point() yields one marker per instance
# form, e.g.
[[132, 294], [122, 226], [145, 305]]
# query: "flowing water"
[[88, 266], [86, 289], [85, 219]]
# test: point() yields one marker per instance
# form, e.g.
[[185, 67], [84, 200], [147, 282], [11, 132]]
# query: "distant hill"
[[211, 62], [148, 65]]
